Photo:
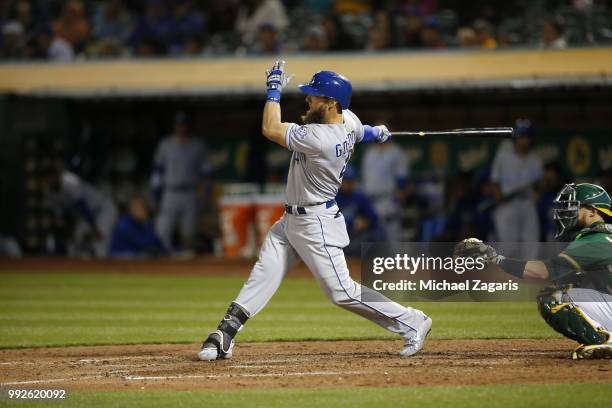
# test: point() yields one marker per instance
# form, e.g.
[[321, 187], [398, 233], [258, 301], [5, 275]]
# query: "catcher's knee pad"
[[568, 319]]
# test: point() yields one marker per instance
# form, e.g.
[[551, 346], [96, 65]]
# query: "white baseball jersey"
[[182, 161], [514, 172], [320, 155]]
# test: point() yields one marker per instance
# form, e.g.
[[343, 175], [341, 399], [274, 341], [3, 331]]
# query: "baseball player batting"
[[579, 305], [313, 228]]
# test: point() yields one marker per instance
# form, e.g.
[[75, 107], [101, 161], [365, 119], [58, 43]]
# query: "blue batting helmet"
[[330, 85]]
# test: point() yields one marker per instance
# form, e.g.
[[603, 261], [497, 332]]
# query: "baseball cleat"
[[414, 344], [592, 352], [218, 345]]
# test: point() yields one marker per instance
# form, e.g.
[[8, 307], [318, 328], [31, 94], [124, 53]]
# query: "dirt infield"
[[312, 364]]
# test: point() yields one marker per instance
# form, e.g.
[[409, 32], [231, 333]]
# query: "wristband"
[[273, 95], [370, 134], [513, 267]]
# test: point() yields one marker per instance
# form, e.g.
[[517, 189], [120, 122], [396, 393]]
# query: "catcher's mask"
[[565, 210]]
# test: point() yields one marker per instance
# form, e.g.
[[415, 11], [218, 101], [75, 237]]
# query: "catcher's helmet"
[[331, 85], [569, 200]]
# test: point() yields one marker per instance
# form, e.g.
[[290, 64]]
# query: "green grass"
[[91, 309], [499, 396]]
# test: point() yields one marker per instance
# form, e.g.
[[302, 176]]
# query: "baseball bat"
[[475, 133]]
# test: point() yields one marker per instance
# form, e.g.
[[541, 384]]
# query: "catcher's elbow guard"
[[568, 319]]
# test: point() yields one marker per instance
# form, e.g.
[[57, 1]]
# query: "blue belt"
[[302, 210]]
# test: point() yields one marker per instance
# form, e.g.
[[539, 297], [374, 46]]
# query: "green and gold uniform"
[[587, 260]]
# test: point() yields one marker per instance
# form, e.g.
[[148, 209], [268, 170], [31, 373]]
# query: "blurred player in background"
[[65, 192], [134, 235], [361, 219], [579, 305], [179, 166], [387, 171], [515, 170]]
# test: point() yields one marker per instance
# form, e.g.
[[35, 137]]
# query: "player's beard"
[[314, 116]]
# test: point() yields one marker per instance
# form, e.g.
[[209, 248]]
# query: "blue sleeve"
[[370, 134]]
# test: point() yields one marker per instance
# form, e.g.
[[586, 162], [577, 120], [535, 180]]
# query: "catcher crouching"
[[579, 302]]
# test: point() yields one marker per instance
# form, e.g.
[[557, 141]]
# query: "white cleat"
[[218, 345], [208, 354], [414, 344]]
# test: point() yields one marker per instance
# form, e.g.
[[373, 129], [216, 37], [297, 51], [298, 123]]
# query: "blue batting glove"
[[276, 80], [384, 134]]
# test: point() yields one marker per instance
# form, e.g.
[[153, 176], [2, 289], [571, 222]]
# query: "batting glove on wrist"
[[475, 248], [384, 134], [276, 79]]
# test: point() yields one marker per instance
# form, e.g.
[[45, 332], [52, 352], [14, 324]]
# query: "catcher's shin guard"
[[220, 343], [569, 320]]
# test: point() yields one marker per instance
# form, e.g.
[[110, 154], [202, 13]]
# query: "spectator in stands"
[[152, 32], [337, 37], [418, 7], [52, 47], [254, 14], [379, 35], [23, 14], [352, 6], [267, 41], [316, 40], [485, 36], [194, 46], [134, 234], [221, 16], [379, 38], [72, 24], [112, 28], [552, 35], [189, 27], [467, 37], [359, 214], [412, 31], [318, 6], [430, 34], [185, 23], [13, 40]]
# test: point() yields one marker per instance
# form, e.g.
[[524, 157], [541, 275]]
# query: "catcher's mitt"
[[475, 248]]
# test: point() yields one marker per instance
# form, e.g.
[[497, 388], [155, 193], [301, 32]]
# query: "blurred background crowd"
[[65, 30], [135, 173]]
